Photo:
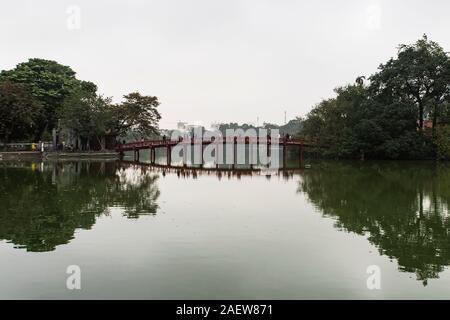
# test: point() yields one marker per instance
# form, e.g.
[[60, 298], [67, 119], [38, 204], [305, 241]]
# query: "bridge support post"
[[152, 155], [185, 146], [169, 155], [301, 155], [136, 155], [235, 152], [201, 155]]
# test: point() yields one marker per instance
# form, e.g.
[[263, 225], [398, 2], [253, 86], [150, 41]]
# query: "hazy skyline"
[[219, 61]]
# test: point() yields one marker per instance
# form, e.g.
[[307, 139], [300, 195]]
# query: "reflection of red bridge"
[[220, 172], [268, 142]]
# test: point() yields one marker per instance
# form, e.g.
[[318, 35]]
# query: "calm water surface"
[[140, 232]]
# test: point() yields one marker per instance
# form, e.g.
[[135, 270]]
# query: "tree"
[[50, 83], [442, 142], [87, 115], [18, 112], [381, 119], [355, 124], [137, 113], [91, 116], [420, 76], [64, 102], [333, 122]]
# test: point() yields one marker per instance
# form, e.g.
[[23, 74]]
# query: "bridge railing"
[[239, 140]]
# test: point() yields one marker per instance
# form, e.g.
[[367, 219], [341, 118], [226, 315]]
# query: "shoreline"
[[20, 156], [36, 155]]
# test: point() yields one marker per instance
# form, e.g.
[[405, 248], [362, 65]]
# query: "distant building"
[[427, 124], [215, 126], [181, 126], [184, 127]]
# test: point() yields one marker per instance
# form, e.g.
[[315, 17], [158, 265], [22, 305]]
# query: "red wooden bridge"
[[152, 145]]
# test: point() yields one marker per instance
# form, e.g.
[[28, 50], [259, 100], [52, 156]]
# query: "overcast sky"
[[219, 61]]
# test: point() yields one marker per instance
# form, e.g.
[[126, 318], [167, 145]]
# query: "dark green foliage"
[[41, 95], [90, 116], [386, 118], [292, 127], [442, 142], [50, 83], [137, 113], [18, 112], [86, 115]]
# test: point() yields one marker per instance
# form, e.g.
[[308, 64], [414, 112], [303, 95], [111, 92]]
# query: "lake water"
[[149, 233]]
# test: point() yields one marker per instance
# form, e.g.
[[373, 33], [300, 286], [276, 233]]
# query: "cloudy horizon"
[[219, 61]]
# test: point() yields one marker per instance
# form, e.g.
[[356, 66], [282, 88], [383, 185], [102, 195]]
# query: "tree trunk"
[[420, 117], [101, 142], [435, 116]]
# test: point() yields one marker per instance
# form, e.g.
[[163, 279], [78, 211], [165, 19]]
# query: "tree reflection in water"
[[41, 209], [401, 207]]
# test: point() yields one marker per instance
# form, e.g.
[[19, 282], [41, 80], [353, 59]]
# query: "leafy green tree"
[[419, 76], [337, 124], [385, 118], [50, 83], [442, 141], [18, 112], [90, 116], [75, 114], [137, 113], [87, 115], [356, 125]]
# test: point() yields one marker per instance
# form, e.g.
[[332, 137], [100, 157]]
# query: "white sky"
[[228, 60]]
